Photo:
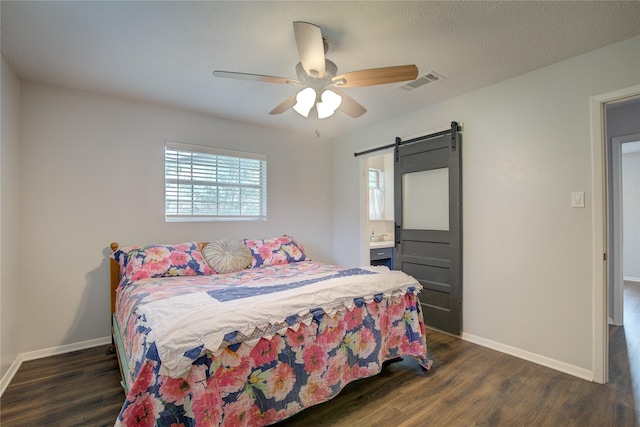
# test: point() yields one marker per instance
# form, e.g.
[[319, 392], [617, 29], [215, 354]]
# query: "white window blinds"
[[208, 184]]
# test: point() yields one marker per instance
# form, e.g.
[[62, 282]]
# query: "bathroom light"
[[329, 104], [305, 100]]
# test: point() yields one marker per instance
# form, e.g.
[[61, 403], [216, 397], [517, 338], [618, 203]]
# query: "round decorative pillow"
[[227, 256]]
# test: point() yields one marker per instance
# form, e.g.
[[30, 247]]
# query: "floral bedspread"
[[262, 376]]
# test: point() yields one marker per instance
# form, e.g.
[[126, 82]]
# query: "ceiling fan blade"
[[377, 76], [255, 77], [350, 106], [310, 47], [285, 105]]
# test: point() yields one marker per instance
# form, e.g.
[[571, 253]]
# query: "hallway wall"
[[631, 216]]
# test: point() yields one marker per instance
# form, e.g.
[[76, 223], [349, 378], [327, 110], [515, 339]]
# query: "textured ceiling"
[[164, 52]]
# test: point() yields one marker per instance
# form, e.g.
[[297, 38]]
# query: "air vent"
[[430, 77]]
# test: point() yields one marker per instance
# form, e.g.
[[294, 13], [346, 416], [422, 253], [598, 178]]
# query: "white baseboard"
[[67, 348], [631, 279], [576, 371], [612, 322], [8, 376], [46, 352]]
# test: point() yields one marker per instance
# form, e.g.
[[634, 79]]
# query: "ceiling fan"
[[320, 79]]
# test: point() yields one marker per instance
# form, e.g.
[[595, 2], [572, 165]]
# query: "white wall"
[[92, 172], [631, 215], [527, 255], [9, 286]]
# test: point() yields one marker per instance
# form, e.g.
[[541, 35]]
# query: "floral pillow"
[[137, 263], [279, 250]]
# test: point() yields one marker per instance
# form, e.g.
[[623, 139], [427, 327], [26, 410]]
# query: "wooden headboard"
[[114, 276]]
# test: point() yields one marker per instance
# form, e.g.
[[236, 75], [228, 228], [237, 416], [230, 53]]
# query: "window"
[[209, 184], [376, 194], [375, 178]]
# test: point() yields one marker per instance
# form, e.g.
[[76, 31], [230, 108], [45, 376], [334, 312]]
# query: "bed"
[[248, 333]]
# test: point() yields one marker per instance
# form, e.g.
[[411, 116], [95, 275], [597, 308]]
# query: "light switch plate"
[[577, 199]]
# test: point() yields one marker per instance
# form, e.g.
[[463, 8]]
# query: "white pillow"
[[226, 256]]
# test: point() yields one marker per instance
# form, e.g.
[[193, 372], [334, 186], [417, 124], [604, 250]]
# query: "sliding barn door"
[[429, 225]]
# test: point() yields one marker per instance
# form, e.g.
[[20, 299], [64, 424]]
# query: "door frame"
[[614, 236], [363, 171], [616, 228], [600, 327]]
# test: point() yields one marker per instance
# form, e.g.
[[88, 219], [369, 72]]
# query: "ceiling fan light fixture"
[[316, 73], [330, 102], [305, 100]]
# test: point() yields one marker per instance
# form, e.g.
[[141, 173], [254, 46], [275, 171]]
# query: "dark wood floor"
[[74, 389], [468, 385]]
